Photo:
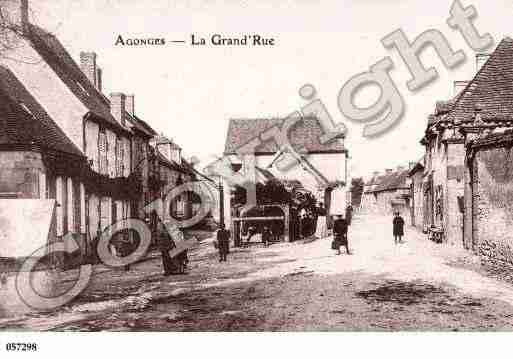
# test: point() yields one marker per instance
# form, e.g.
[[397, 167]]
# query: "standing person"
[[126, 248], [349, 214], [223, 243], [182, 261], [398, 228], [340, 234], [165, 245], [266, 236]]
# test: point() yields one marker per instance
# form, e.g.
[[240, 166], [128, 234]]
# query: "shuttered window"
[[120, 157], [76, 206], [102, 151]]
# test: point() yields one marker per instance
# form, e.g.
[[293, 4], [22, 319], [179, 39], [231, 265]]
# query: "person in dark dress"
[[398, 228], [223, 243], [349, 214], [266, 236], [165, 245], [340, 234]]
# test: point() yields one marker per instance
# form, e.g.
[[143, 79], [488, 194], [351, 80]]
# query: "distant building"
[[256, 144], [387, 193]]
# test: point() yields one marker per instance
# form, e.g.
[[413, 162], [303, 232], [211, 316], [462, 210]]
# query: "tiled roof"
[[419, 166], [391, 181], [58, 58], [491, 88], [184, 167], [305, 133], [24, 121], [495, 139]]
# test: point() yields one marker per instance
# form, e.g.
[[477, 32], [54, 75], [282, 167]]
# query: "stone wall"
[[417, 200], [493, 206], [445, 163], [455, 189]]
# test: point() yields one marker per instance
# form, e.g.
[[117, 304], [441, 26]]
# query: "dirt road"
[[417, 285]]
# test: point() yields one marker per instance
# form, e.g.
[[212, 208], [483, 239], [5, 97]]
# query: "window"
[[102, 151], [51, 188], [105, 212], [76, 206], [64, 205], [120, 157], [114, 217]]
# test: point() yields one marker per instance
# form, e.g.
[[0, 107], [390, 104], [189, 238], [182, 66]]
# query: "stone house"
[[416, 176], [444, 172], [387, 193], [489, 195], [486, 120]]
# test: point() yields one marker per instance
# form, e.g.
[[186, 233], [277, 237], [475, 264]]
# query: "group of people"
[[178, 264]]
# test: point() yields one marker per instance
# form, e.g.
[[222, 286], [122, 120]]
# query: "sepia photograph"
[[216, 166]]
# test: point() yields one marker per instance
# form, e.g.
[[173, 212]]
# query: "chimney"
[[99, 79], [459, 86], [130, 104], [117, 106], [480, 60], [88, 66], [411, 165], [478, 108]]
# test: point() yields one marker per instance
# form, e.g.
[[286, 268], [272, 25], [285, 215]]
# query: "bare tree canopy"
[[10, 29]]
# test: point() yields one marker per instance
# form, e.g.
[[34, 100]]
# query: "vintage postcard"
[[271, 166]]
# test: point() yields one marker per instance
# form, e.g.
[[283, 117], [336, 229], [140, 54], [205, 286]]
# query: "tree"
[[11, 30], [356, 191]]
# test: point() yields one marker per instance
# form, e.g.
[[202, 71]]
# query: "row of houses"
[[63, 139], [462, 187]]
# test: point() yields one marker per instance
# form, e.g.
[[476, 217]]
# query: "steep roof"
[[184, 167], [24, 121], [142, 126], [491, 89], [61, 62], [164, 140], [419, 166], [305, 133]]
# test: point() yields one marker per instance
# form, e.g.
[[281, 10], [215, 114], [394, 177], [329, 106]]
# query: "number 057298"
[[21, 347]]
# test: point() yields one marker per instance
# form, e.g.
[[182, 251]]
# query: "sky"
[[190, 93]]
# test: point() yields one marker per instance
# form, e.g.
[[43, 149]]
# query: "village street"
[[417, 285]]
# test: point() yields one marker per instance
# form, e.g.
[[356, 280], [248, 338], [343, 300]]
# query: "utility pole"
[[221, 202]]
